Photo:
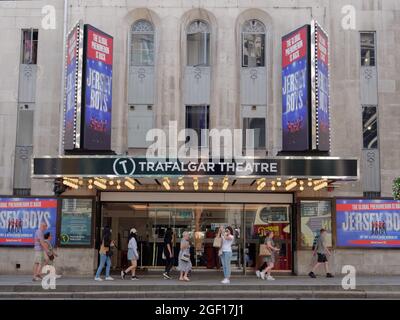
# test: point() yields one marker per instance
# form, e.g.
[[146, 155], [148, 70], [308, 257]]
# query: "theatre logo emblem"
[[124, 166]]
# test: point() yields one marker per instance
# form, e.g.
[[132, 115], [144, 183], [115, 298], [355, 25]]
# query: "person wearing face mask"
[[322, 251]]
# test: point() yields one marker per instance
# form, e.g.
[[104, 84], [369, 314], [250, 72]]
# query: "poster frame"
[[56, 220], [334, 233], [298, 222], [92, 223]]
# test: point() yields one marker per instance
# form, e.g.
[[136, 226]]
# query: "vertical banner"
[[21, 217], [73, 88], [368, 223], [295, 90], [320, 88], [98, 58]]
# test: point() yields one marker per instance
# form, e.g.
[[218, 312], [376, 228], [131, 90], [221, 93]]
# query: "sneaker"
[[109, 279], [166, 275], [134, 278], [225, 281], [36, 279], [329, 275], [58, 276], [312, 275], [123, 274], [98, 279], [262, 275], [258, 273], [270, 278]]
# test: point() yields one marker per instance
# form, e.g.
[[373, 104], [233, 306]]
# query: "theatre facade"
[[261, 117]]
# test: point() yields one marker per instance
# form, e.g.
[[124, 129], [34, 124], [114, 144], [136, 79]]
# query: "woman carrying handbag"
[[267, 250], [184, 264]]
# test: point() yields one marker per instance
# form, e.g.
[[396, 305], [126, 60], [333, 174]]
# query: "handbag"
[[264, 250], [217, 242], [185, 257]]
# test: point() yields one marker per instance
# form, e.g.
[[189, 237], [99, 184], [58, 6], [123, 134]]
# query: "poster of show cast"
[[368, 223], [21, 217]]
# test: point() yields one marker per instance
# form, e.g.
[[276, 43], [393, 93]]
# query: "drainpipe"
[[61, 108]]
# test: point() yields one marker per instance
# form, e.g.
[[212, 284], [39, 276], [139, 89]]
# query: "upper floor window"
[[198, 44], [198, 119], [253, 44], [29, 46], [367, 41], [142, 44]]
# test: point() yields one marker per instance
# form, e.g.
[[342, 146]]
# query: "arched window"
[[253, 44], [142, 44], [198, 44]]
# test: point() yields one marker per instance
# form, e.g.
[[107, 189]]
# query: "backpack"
[[314, 245]]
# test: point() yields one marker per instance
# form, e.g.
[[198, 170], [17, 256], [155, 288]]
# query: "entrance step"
[[201, 287]]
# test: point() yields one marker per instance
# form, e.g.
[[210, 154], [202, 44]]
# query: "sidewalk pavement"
[[201, 286]]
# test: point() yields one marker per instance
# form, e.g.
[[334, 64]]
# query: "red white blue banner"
[[295, 90], [98, 89], [368, 223], [21, 217]]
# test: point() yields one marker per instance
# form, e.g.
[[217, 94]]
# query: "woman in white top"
[[133, 255], [226, 251]]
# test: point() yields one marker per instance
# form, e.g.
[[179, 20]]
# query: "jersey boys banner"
[[322, 89], [295, 90], [98, 89], [21, 217], [72, 88], [368, 223]]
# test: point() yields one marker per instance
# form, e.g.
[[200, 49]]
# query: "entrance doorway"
[[152, 220], [250, 222]]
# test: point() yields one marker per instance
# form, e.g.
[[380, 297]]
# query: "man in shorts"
[[39, 249], [322, 251]]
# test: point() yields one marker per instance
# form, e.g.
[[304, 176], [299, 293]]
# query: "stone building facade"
[[32, 92]]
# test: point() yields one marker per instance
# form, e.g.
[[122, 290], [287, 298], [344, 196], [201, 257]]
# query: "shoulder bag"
[[264, 250], [217, 242]]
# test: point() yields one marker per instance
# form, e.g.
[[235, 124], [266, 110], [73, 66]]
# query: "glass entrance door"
[[151, 221], [263, 218], [201, 221]]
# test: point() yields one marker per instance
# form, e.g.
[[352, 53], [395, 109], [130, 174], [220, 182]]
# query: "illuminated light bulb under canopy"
[[129, 185], [261, 185], [100, 185], [291, 185], [320, 186], [166, 184], [70, 184]]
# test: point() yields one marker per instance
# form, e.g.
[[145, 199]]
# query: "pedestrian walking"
[[184, 264], [226, 252], [168, 253], [105, 253], [322, 251], [133, 255], [50, 254], [39, 249], [268, 256]]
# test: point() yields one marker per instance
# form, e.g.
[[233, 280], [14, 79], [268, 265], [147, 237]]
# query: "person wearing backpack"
[[322, 251], [105, 253]]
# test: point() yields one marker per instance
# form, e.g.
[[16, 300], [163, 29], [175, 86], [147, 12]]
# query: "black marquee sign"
[[107, 166]]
